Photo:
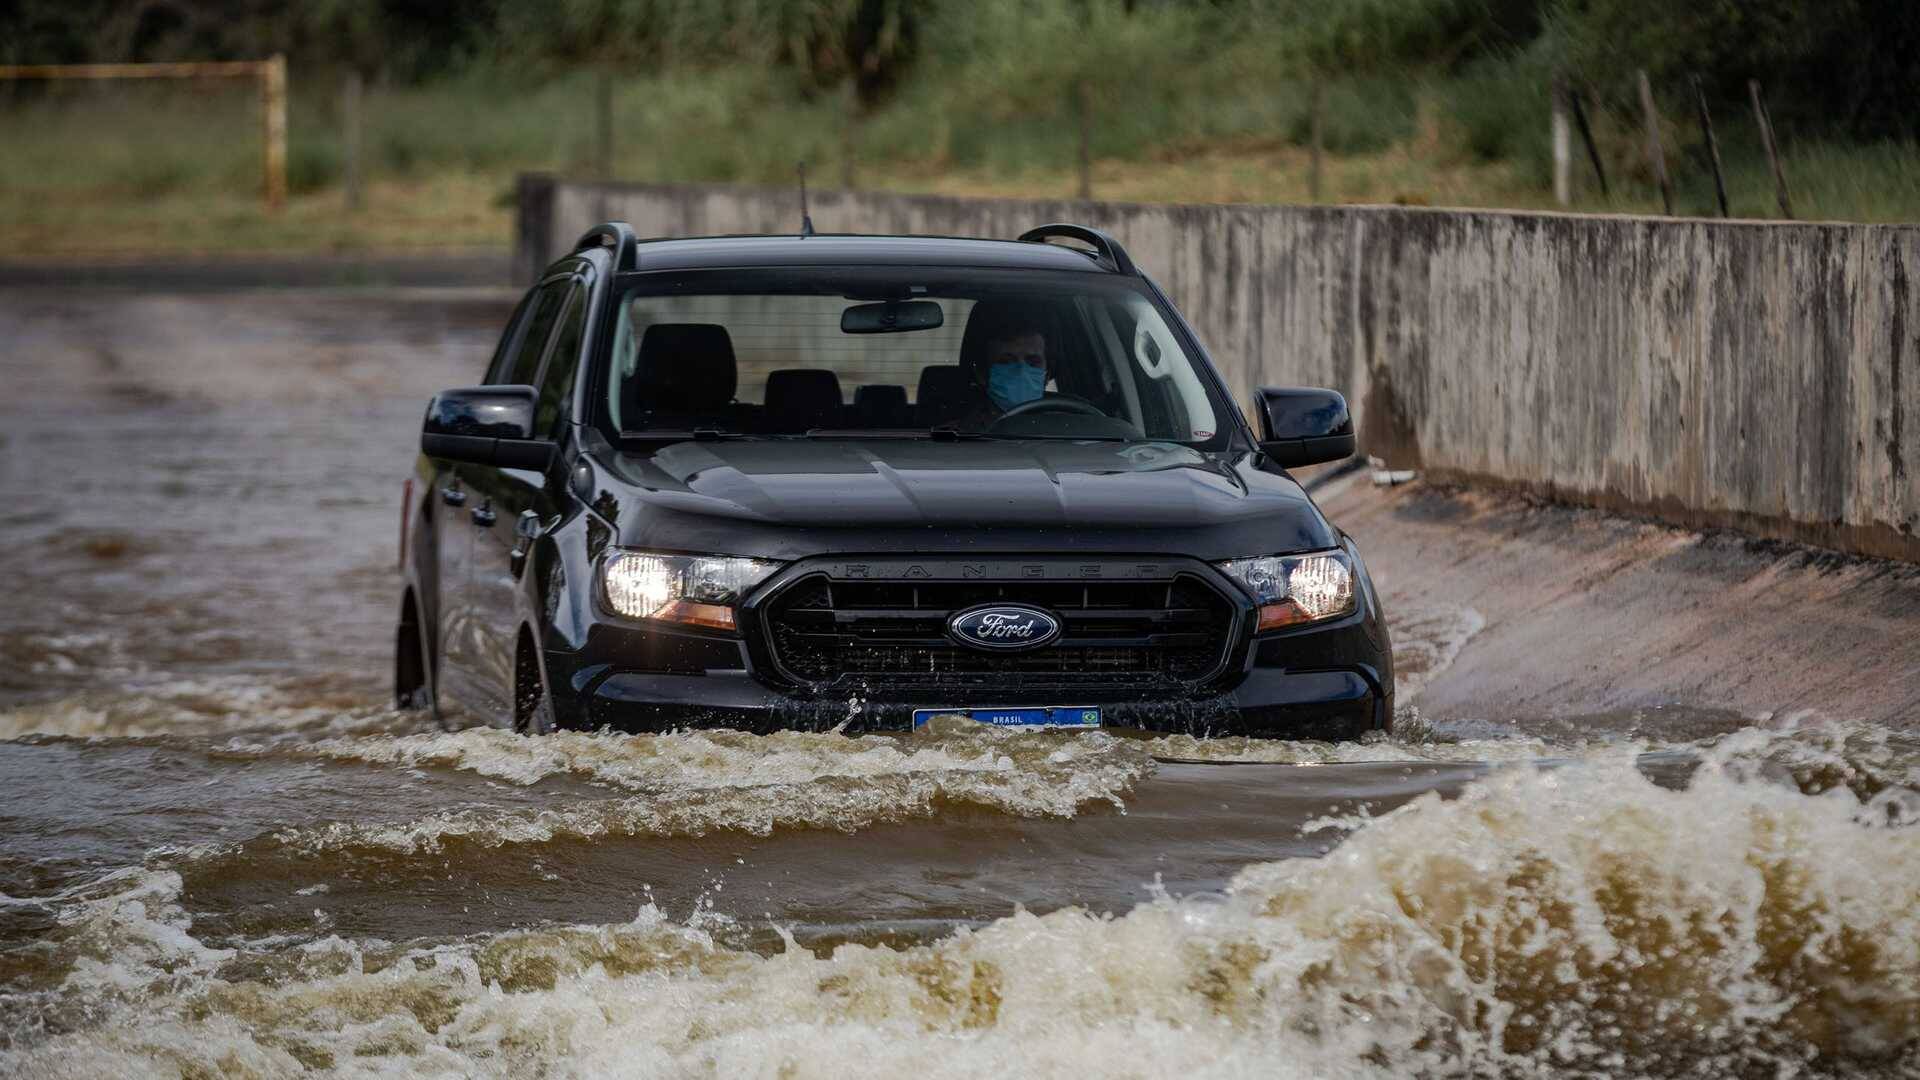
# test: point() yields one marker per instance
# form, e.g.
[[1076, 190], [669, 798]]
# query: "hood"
[[778, 498]]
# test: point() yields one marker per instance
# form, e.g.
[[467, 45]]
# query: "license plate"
[[1049, 716]]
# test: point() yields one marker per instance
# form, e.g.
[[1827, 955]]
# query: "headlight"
[[1295, 589], [699, 590]]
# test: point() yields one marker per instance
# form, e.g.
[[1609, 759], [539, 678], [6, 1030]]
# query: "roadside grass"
[[121, 169]]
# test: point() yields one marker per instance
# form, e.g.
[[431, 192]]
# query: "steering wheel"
[[1057, 402]]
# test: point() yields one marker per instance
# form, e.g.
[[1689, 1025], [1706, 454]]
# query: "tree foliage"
[[1838, 65]]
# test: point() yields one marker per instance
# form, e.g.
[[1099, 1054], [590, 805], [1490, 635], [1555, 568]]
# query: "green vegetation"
[[1440, 102]]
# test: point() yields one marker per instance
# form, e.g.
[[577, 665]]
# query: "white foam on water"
[[694, 783], [1576, 921], [211, 705], [1372, 751], [700, 759]]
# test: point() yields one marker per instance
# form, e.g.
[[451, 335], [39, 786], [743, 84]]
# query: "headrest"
[[941, 381], [880, 397], [801, 398], [946, 394], [683, 369]]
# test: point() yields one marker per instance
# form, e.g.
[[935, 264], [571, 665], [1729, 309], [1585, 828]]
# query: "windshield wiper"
[[1001, 436], [695, 434], [866, 433]]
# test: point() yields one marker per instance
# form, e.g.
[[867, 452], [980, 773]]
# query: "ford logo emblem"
[[1003, 627]]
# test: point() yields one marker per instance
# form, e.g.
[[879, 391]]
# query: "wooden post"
[[534, 243], [603, 126], [273, 108], [1655, 154], [1562, 147], [1575, 98], [1083, 109], [1713, 145], [1316, 135], [849, 124], [1773, 148], [350, 95]]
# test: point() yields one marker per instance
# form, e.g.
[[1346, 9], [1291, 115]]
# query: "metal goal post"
[[271, 73]]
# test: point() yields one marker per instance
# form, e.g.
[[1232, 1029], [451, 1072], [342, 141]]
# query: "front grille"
[[1112, 632]]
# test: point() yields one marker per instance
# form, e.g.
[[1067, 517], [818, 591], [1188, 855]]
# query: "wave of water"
[[1764, 920], [211, 705], [694, 783]]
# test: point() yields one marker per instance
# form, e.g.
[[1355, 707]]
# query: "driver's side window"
[[520, 364], [510, 337]]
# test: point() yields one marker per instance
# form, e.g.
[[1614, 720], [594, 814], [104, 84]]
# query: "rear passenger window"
[[525, 365], [562, 361]]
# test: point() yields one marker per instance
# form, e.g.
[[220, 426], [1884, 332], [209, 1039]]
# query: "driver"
[[1016, 367], [1009, 365]]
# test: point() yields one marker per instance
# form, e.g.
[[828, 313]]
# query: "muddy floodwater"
[[223, 854]]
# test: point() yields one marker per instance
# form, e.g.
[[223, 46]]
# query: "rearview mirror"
[[485, 425], [1304, 425], [891, 317]]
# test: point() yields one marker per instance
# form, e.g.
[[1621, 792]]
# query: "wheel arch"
[[413, 653], [529, 674]]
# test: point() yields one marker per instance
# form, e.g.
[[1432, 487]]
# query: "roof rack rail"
[[617, 235], [1105, 247]]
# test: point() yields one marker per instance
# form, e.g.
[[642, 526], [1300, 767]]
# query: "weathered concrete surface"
[[1590, 624], [1748, 374]]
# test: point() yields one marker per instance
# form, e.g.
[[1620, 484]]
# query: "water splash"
[[1575, 921]]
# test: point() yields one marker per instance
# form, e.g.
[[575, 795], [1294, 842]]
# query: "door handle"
[[453, 496], [484, 516]]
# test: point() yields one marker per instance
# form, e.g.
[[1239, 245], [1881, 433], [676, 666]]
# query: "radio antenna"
[[806, 219]]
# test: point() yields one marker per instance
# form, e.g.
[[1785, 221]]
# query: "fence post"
[[603, 126], [1083, 108], [1713, 145], [273, 108], [1655, 154], [849, 124], [1578, 102], [1773, 149], [533, 242], [350, 94], [1316, 135], [1562, 147]]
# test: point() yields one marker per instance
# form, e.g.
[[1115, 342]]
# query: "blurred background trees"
[[1850, 64], [1442, 101]]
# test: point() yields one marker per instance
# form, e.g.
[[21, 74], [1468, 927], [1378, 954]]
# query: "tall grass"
[[1178, 113]]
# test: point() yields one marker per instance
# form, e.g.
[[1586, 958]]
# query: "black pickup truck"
[[865, 483]]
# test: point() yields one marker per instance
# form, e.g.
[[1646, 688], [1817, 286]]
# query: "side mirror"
[[485, 425], [1304, 425]]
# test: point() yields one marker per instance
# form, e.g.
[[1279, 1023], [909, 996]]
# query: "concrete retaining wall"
[[1749, 374]]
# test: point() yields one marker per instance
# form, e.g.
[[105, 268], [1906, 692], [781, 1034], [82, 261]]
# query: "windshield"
[[903, 353]]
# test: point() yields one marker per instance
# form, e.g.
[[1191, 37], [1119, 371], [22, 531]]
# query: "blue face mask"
[[1015, 384]]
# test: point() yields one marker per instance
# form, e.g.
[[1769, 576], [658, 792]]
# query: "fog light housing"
[[1291, 590], [693, 590]]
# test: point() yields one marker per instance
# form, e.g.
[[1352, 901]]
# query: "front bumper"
[[1282, 704]]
